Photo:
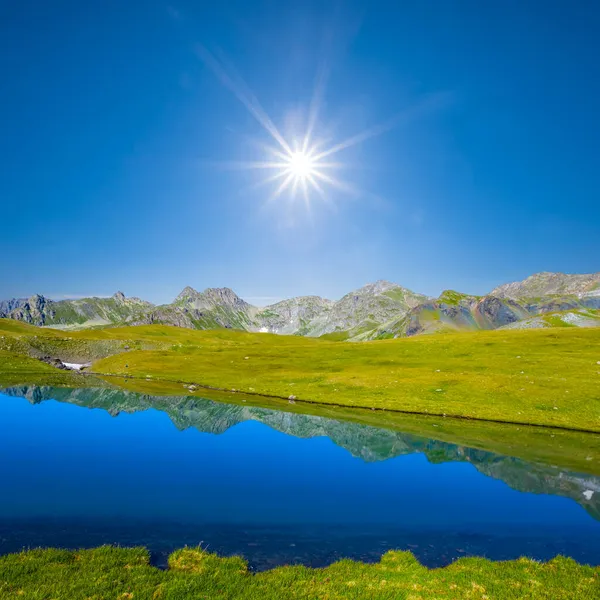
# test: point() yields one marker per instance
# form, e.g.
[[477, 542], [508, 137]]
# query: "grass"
[[545, 377], [15, 369], [124, 574], [454, 298]]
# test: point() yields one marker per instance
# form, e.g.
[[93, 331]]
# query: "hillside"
[[296, 316], [537, 376], [85, 312], [212, 309], [375, 311], [550, 284], [453, 311], [565, 318]]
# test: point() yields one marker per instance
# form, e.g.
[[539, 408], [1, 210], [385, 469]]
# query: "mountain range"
[[375, 311], [370, 444]]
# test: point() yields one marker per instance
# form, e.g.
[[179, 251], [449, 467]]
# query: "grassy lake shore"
[[117, 573], [548, 377]]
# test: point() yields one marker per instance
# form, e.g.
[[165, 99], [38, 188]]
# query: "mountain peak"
[[378, 287], [384, 287], [186, 293], [119, 296], [454, 297], [210, 298], [222, 290], [223, 295]]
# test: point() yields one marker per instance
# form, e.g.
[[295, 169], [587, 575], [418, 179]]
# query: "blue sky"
[[116, 131]]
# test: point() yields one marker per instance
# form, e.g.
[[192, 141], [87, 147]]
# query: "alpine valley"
[[376, 311]]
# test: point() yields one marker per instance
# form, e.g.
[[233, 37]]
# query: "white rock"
[[76, 366]]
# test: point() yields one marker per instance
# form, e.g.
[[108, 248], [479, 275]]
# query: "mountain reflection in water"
[[74, 478]]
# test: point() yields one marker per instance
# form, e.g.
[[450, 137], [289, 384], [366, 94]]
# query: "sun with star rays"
[[301, 171], [301, 166]]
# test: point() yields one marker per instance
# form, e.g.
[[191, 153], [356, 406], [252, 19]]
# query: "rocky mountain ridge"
[[378, 310], [88, 312], [550, 284]]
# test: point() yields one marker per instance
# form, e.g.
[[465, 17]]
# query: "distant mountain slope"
[[549, 284], [88, 312], [566, 318], [365, 309], [360, 311], [377, 310], [294, 316], [213, 308], [455, 311]]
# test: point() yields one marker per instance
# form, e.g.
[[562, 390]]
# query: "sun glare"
[[301, 165], [300, 170]]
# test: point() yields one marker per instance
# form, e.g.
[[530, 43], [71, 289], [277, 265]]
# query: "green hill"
[[539, 376]]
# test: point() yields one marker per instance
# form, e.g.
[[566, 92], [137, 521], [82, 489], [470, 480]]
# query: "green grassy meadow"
[[117, 573], [545, 377]]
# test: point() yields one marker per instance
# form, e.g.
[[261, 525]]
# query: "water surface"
[[276, 487]]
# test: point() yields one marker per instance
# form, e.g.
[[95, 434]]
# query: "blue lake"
[[85, 467]]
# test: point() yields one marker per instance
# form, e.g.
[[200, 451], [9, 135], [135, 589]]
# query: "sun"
[[299, 169], [302, 162], [301, 165]]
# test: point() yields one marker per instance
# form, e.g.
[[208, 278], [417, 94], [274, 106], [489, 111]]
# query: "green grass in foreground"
[[116, 573], [543, 377]]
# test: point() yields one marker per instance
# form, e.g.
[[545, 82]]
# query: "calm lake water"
[[84, 467]]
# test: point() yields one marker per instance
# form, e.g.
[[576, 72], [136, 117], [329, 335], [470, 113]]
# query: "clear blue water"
[[242, 480]]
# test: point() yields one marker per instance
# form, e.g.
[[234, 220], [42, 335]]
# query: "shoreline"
[[126, 573], [296, 400]]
